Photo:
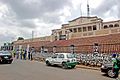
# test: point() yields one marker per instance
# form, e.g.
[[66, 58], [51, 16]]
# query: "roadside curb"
[[86, 67], [77, 66]]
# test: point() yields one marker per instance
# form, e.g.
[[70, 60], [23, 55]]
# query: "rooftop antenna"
[[80, 10], [88, 9]]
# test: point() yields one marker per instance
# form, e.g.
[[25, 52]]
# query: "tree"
[[20, 38], [4, 44]]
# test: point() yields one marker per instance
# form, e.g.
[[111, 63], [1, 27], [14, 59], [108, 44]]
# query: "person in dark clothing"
[[115, 65], [29, 55], [17, 54], [25, 53], [21, 54]]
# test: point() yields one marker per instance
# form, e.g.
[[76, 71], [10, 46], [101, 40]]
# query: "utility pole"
[[88, 9], [32, 35]]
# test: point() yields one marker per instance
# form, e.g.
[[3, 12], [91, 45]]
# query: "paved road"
[[31, 70]]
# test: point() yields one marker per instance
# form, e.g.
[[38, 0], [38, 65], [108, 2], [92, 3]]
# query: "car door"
[[54, 58], [60, 58]]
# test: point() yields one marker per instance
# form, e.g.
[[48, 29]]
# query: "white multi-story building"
[[86, 27]]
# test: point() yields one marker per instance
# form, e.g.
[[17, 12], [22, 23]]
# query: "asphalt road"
[[32, 70]]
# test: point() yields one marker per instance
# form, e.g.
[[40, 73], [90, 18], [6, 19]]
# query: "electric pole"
[[88, 9], [32, 35]]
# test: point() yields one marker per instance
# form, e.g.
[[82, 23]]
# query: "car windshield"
[[4, 53], [70, 56]]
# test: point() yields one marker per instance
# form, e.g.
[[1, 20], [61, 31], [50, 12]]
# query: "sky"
[[18, 18]]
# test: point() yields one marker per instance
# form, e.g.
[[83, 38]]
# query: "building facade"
[[79, 32], [86, 27]]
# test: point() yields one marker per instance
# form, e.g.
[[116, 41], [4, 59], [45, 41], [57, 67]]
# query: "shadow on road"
[[3, 63], [105, 75], [56, 66]]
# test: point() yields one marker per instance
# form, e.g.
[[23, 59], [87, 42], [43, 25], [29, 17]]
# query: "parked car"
[[65, 60], [6, 57], [107, 69]]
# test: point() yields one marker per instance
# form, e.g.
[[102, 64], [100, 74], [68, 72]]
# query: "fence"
[[92, 55], [100, 48]]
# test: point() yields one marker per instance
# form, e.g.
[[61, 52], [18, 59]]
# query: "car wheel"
[[110, 73], [48, 63], [64, 66], [9, 62], [73, 66]]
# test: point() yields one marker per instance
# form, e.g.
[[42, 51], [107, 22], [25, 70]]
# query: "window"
[[94, 27], [55, 56], [84, 29], [62, 37], [60, 56], [70, 30], [75, 29], [89, 28], [105, 26], [110, 25], [60, 32], [71, 56], [79, 30], [116, 25], [66, 32], [55, 37]]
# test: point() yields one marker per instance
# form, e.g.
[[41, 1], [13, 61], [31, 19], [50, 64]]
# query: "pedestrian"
[[115, 62], [21, 54], [14, 52], [31, 55], [25, 53], [17, 54], [28, 55]]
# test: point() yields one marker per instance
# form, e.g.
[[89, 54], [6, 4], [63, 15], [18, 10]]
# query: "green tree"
[[20, 38]]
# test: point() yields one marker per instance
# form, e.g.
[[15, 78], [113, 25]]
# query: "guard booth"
[[95, 49]]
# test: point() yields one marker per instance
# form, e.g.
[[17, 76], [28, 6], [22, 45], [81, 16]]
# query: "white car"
[[66, 60]]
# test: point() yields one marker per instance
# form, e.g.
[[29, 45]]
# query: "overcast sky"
[[18, 18]]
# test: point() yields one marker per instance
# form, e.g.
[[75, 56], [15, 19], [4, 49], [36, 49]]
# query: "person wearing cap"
[[115, 66]]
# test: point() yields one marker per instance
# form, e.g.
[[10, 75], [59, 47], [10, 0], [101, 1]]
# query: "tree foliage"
[[20, 38]]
